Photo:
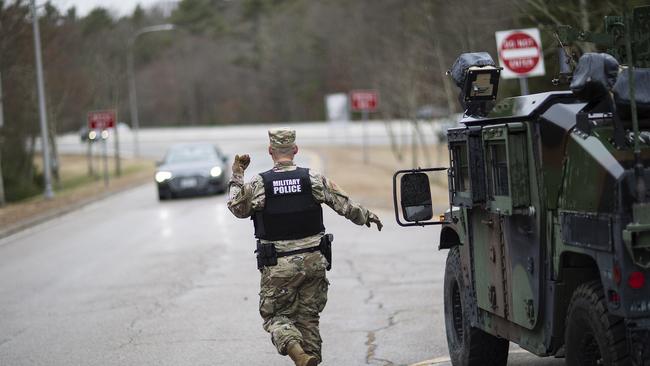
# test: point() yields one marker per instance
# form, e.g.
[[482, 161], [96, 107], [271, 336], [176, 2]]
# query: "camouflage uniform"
[[294, 292]]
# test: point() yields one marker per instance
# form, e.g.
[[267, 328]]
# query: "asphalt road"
[[133, 281]]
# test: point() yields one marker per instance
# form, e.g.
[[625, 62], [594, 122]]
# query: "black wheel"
[[164, 195], [593, 336], [468, 346]]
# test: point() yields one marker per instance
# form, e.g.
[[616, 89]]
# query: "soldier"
[[285, 206]]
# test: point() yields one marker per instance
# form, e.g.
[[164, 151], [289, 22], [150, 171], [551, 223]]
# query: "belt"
[[299, 251]]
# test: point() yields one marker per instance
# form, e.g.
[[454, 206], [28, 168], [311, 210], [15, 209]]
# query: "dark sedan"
[[191, 169]]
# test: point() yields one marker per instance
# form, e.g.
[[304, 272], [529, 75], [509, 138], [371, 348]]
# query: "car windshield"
[[191, 153]]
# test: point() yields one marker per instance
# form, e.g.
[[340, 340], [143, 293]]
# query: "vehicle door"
[[505, 231]]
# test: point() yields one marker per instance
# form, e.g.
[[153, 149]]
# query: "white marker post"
[[338, 116], [520, 55]]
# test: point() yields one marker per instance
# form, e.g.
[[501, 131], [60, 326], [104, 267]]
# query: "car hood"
[[194, 167]]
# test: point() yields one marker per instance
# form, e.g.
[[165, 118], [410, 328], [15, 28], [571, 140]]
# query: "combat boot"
[[299, 357]]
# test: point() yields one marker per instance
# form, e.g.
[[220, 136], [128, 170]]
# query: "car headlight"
[[216, 171], [163, 176]]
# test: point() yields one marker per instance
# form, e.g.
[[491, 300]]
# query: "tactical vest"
[[290, 210]]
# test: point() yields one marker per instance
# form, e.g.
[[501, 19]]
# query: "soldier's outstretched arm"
[[244, 198], [332, 195]]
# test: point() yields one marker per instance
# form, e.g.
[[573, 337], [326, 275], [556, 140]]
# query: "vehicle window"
[[497, 169], [191, 153], [461, 167]]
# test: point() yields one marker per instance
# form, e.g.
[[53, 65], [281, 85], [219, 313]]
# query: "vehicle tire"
[[164, 195], [468, 346], [592, 335]]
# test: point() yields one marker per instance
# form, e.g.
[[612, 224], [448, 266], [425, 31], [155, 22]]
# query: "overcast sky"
[[118, 7]]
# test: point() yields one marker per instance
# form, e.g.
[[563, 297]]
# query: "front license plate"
[[188, 183]]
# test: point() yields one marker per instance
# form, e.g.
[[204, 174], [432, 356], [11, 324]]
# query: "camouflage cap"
[[282, 137]]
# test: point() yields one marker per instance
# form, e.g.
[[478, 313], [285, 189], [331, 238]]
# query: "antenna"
[[638, 163], [566, 61]]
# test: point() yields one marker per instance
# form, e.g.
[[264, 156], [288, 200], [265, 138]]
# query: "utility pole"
[[2, 122], [41, 105], [130, 70]]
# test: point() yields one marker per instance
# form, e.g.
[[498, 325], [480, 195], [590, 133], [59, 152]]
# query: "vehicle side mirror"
[[159, 163], [414, 197], [224, 158]]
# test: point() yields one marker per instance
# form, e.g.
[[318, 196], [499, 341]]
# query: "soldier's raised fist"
[[240, 164]]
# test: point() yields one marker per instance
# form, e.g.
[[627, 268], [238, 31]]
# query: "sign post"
[[104, 137], [102, 121], [520, 55], [364, 101], [89, 155], [118, 163]]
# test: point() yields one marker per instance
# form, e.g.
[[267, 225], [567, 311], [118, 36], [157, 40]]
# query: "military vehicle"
[[548, 228]]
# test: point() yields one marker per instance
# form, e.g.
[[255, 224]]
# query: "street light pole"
[[45, 144], [133, 99]]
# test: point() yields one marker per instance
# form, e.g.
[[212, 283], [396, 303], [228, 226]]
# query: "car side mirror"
[[224, 158], [414, 197], [159, 163]]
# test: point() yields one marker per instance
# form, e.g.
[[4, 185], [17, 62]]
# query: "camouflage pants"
[[292, 295]]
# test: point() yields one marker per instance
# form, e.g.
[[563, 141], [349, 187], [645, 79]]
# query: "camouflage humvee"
[[549, 226]]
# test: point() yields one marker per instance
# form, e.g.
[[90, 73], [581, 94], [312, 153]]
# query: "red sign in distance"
[[364, 100], [520, 53], [101, 120]]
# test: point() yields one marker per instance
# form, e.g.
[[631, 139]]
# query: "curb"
[[433, 362], [446, 360]]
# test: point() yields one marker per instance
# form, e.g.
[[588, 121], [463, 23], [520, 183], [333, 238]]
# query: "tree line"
[[250, 61]]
